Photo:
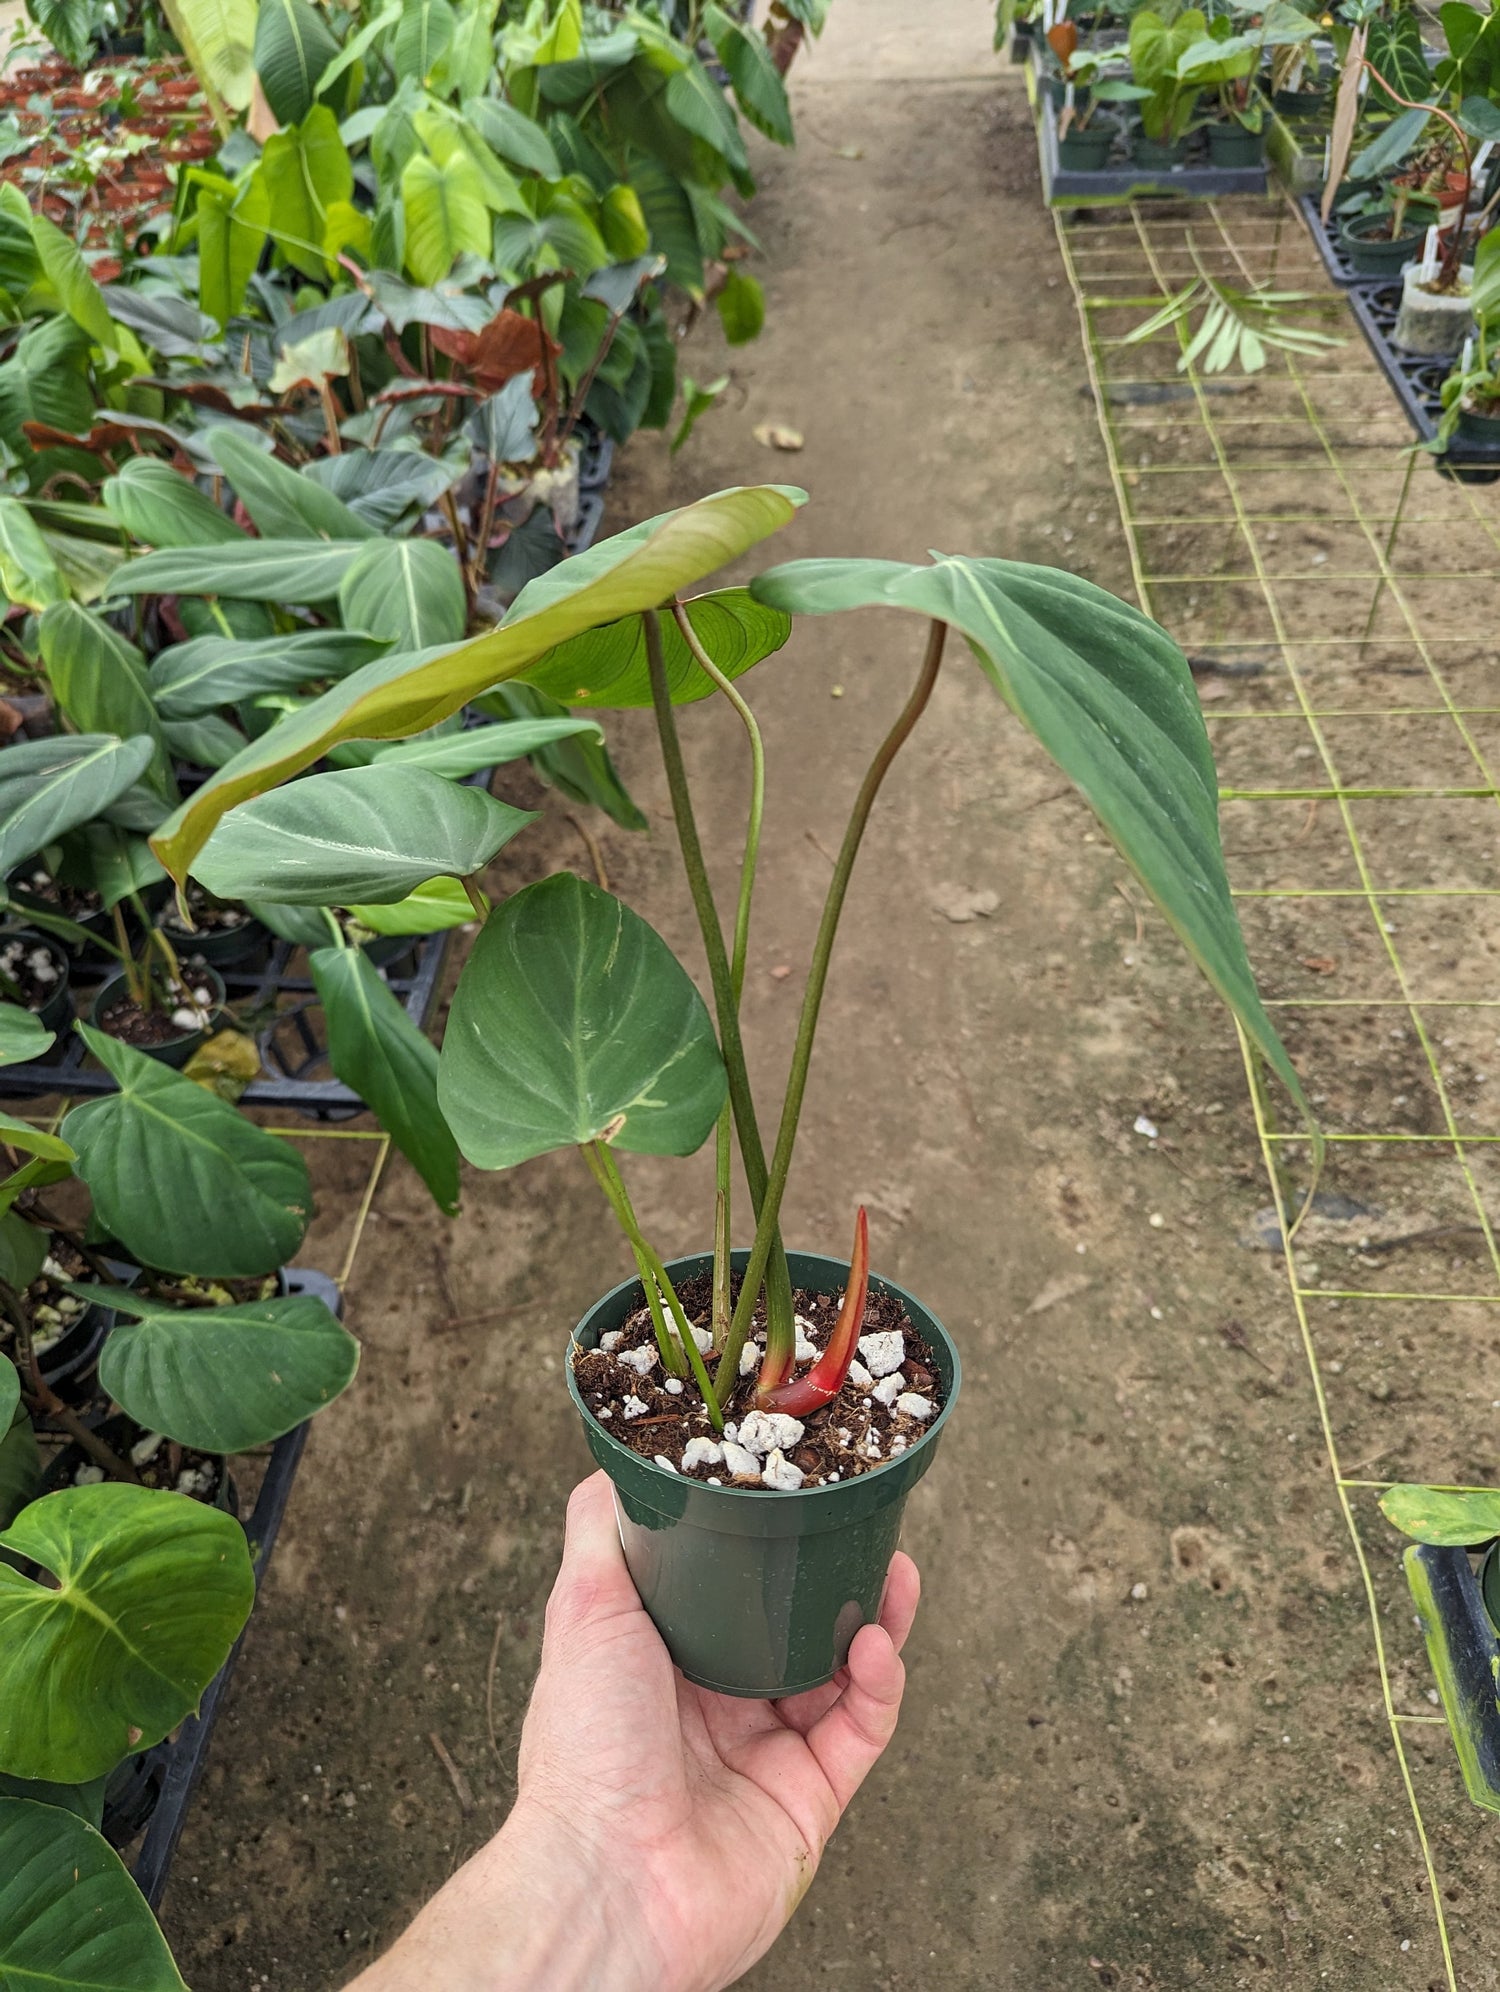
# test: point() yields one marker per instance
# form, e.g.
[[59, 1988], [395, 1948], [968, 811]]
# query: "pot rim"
[[698, 1260]]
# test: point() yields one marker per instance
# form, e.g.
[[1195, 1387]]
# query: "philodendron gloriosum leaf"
[[371, 834], [573, 1021], [182, 1178], [71, 1918], [1447, 1515], [406, 694], [223, 1379], [1109, 695], [23, 1036], [152, 1590]]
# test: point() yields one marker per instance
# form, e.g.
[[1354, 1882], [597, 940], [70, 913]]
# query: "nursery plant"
[[762, 1432], [1157, 45]]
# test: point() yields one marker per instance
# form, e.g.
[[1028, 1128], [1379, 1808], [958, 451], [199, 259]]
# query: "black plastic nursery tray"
[[166, 1778], [1326, 242], [1122, 180], [1465, 1656], [1416, 378]]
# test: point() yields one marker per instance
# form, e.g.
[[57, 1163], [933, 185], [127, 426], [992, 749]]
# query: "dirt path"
[[1144, 1744]]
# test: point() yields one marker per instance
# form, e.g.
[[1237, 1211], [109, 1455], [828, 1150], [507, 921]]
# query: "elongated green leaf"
[[20, 1466], [307, 172], [29, 573], [573, 1021], [71, 1918], [63, 265], [446, 215], [1441, 1515], [50, 786], [293, 47], [439, 904], [23, 1037], [254, 571], [357, 834], [180, 1177], [758, 88], [422, 34], [161, 507], [376, 1049], [283, 503], [232, 229], [383, 486], [210, 671], [218, 39], [606, 667], [1110, 696], [741, 305], [458, 754], [514, 136], [223, 1378], [100, 682], [33, 1140], [618, 577], [153, 1590], [109, 860], [408, 592]]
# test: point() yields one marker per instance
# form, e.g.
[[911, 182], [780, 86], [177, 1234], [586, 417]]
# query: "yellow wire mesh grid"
[[1357, 659]]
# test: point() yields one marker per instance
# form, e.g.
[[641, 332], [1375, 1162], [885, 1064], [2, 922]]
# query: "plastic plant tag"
[[1327, 154], [1067, 96], [1481, 158], [1430, 255]]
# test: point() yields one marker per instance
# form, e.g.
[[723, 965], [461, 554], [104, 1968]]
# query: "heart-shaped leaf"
[[71, 1919], [23, 1036], [211, 671], [606, 667], [252, 571], [1441, 1515], [376, 1049], [408, 592], [357, 834], [402, 695], [1109, 695], [573, 1021], [223, 1378], [50, 786], [283, 503], [152, 1590], [446, 214], [180, 1177]]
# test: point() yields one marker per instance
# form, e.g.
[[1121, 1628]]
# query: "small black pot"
[[1476, 428], [1085, 151], [1233, 145], [1299, 103], [120, 1434], [56, 1011], [176, 1051], [1366, 241], [1160, 157], [222, 947], [73, 1355]]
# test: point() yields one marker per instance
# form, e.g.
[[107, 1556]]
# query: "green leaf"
[[28, 569], [293, 47], [1443, 1514], [369, 834], [446, 214], [211, 671], [573, 1021], [161, 507], [376, 1049], [50, 786], [696, 102], [514, 136], [580, 769], [20, 1467], [63, 265], [223, 1379], [307, 171], [71, 1918], [504, 425], [758, 88], [84, 1801], [312, 362], [44, 380], [439, 904], [284, 503], [606, 667], [23, 1038], [423, 33], [409, 592], [99, 680], [252, 571], [180, 1177], [303, 926], [382, 487], [232, 230], [1110, 697], [110, 860], [617, 577], [218, 39], [742, 308], [696, 402], [458, 754], [357, 46], [152, 1591], [10, 1393]]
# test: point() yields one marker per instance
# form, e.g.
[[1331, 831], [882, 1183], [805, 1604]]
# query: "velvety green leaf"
[[409, 592], [1110, 697], [232, 230], [382, 487], [741, 305], [99, 680], [209, 671], [23, 1037], [50, 786], [293, 47], [606, 667], [283, 502], [696, 102], [758, 88], [422, 34], [109, 860], [303, 926], [446, 215], [180, 1177], [376, 1049], [161, 507], [29, 572], [617, 284], [504, 425], [223, 1379], [44, 381], [64, 268], [84, 1801], [369, 834], [458, 754], [253, 571], [20, 1467], [153, 1591], [573, 1021], [513, 135], [433, 908], [208, 740], [71, 1918], [307, 171], [1441, 1515]]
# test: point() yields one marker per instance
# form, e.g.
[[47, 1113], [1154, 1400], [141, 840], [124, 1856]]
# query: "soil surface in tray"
[[28, 963], [879, 1412], [1144, 1744], [125, 1019]]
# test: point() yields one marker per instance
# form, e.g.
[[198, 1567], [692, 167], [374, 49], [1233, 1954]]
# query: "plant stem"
[[127, 959], [726, 1003], [41, 1397], [812, 998], [670, 1355], [477, 899]]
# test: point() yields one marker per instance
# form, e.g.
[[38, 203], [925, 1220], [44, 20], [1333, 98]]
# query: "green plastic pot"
[[1366, 242], [175, 1051], [1476, 428], [1159, 157], [1085, 151], [1299, 103], [754, 1592], [1232, 145]]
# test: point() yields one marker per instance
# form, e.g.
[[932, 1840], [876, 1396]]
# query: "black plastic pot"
[[755, 1592], [1234, 145], [1367, 242], [176, 1051], [1478, 428], [1085, 151], [1299, 103], [120, 1433], [1159, 157], [221, 947], [1457, 1615], [56, 1013], [95, 923]]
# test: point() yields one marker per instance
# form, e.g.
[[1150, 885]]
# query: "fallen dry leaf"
[[1320, 964], [775, 436]]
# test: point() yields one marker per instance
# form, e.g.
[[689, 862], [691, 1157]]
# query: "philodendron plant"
[[573, 1025]]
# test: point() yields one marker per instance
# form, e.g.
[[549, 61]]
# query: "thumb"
[[593, 1583]]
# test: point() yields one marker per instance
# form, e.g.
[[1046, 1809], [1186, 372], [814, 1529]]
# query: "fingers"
[[849, 1738], [593, 1581]]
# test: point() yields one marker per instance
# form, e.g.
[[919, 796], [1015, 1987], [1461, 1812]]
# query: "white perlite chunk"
[[889, 1388], [859, 1376], [634, 1407], [765, 1431], [673, 1386], [743, 1465], [714, 1480], [702, 1452], [749, 1358], [640, 1360], [807, 1348], [662, 1460], [610, 1342], [884, 1352], [703, 1337], [781, 1474], [911, 1404], [145, 1450]]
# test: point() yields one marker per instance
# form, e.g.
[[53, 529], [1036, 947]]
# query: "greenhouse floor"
[[1154, 1737]]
